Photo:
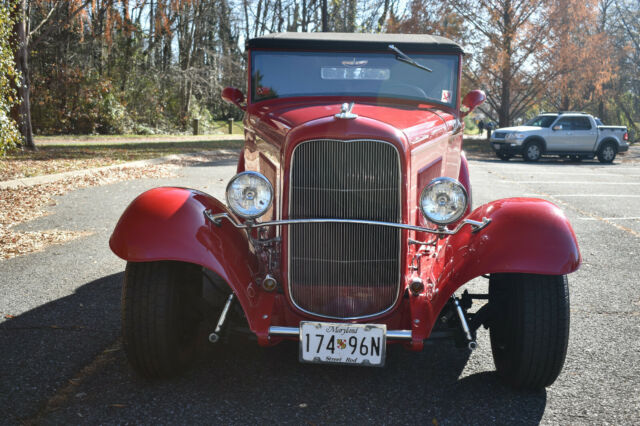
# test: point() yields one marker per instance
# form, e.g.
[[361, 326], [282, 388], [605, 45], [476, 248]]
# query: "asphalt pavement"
[[61, 360]]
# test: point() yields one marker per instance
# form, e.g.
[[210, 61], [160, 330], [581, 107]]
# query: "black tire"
[[529, 328], [532, 151], [503, 156], [607, 152], [160, 318]]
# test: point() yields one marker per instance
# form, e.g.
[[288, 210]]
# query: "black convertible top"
[[355, 41]]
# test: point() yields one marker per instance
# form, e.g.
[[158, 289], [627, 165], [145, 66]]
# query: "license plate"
[[496, 145], [333, 343]]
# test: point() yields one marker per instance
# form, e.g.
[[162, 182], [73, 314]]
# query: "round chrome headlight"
[[443, 201], [249, 194]]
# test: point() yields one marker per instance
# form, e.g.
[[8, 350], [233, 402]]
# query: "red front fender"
[[168, 224], [526, 235]]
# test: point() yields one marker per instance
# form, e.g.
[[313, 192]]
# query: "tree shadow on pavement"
[[45, 347], [234, 381], [240, 383]]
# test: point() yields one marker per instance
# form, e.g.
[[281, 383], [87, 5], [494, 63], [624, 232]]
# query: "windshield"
[[542, 121], [289, 74]]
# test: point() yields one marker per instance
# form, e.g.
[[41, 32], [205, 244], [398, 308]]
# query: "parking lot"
[[62, 361]]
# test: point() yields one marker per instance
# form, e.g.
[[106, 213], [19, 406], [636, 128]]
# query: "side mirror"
[[557, 127], [472, 100], [234, 96]]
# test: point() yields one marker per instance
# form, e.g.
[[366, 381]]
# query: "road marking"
[[572, 182], [598, 195], [64, 393], [536, 194], [610, 218], [546, 172], [574, 208]]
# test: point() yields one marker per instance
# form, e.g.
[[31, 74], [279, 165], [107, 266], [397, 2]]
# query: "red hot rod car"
[[349, 225]]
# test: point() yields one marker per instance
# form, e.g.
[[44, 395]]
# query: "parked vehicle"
[[567, 134], [349, 225]]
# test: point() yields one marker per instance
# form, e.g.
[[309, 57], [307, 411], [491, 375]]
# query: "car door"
[[583, 135], [558, 138]]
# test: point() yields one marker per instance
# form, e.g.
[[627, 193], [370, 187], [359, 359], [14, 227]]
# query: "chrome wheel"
[[607, 153], [532, 151]]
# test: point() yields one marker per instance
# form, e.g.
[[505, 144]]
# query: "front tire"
[[532, 151], [160, 318], [607, 153], [529, 329]]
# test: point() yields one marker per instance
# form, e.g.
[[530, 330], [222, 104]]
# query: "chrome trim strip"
[[399, 334], [476, 226], [275, 330]]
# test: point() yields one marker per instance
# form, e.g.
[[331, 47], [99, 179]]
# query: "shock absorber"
[[215, 336], [471, 343]]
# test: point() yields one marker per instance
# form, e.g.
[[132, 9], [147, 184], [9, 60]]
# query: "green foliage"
[[9, 135], [470, 127], [155, 66], [68, 101]]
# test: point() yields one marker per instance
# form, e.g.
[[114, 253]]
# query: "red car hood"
[[406, 118]]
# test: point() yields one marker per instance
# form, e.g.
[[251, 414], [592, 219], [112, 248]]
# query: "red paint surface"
[[473, 99], [168, 224]]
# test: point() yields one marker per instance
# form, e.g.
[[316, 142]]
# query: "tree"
[[23, 35], [9, 135], [583, 58], [23, 116], [624, 26], [511, 55]]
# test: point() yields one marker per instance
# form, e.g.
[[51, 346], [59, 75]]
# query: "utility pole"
[[325, 23]]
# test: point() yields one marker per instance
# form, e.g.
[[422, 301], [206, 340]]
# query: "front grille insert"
[[344, 270]]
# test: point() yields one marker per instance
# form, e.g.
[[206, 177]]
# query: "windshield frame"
[[454, 105]]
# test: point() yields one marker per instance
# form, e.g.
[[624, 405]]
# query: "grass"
[[220, 126], [475, 148], [471, 131], [66, 157]]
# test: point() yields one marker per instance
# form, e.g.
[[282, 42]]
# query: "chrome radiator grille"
[[344, 270]]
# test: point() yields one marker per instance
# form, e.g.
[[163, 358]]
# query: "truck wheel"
[[160, 319], [503, 156], [607, 152], [532, 151], [529, 329]]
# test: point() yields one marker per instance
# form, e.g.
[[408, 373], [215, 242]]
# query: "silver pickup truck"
[[566, 134]]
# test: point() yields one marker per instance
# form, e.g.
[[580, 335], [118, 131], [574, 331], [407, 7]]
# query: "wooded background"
[[151, 66]]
